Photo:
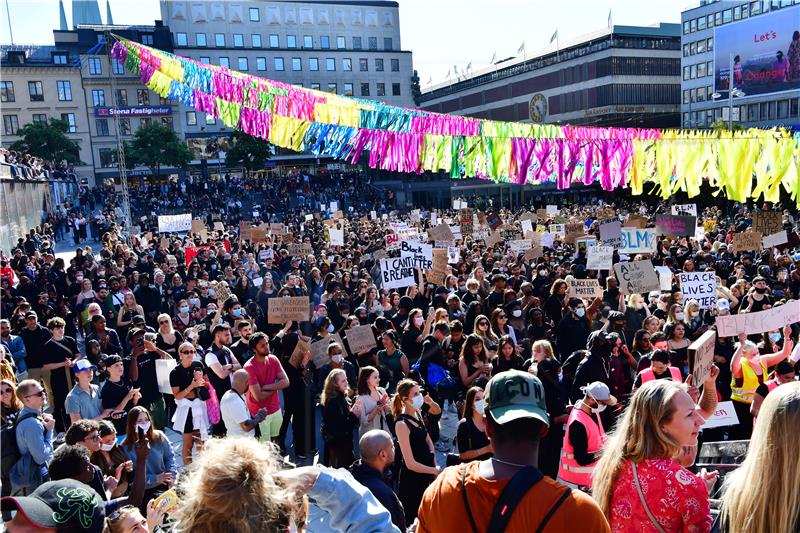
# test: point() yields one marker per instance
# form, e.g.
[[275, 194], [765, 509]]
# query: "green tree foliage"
[[722, 125], [248, 151], [155, 146], [49, 141]]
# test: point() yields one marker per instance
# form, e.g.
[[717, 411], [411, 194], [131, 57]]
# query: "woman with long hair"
[[162, 471], [110, 456], [636, 482], [374, 400], [500, 325], [414, 332], [678, 344], [474, 362], [185, 317], [483, 330], [392, 359], [556, 305], [507, 357], [339, 419], [126, 313], [168, 338], [418, 467], [473, 444], [763, 494]]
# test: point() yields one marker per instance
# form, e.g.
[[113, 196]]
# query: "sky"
[[441, 33]]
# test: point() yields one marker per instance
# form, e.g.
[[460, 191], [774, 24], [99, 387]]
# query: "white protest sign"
[[776, 239], [724, 415], [337, 236], [638, 241], [586, 288], [334, 206], [685, 209], [700, 286], [527, 226], [637, 277], [611, 234], [552, 209], [452, 255], [664, 277], [422, 254], [701, 356], [548, 239], [163, 368], [398, 272], [519, 246], [599, 257], [752, 323], [174, 223]]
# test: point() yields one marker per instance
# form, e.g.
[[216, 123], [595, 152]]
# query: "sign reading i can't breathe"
[[398, 272], [700, 286]]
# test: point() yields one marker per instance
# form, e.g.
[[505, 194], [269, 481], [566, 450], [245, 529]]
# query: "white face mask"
[[338, 358], [580, 312], [145, 426], [418, 321], [107, 447], [679, 316], [417, 401], [479, 406], [330, 328], [516, 313]]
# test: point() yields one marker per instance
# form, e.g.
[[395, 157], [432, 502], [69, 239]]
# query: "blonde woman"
[[636, 482], [126, 313], [168, 339], [763, 494], [541, 350]]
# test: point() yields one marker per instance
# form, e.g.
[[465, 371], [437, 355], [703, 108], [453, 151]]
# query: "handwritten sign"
[[440, 232], [586, 288], [197, 226], [337, 236], [776, 239], [638, 241], [700, 286], [709, 225], [752, 323], [319, 349], [360, 339], [676, 225], [245, 231], [637, 277], [299, 249], [422, 254], [551, 209], [174, 223], [599, 257], [519, 246], [636, 221], [282, 309], [398, 272], [701, 357], [300, 350], [258, 235], [573, 231], [767, 222], [466, 218], [685, 210], [724, 415], [611, 234], [749, 241]]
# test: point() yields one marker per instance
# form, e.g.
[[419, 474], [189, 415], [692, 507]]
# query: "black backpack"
[[8, 438]]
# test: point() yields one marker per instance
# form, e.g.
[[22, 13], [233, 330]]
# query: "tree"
[[49, 141], [416, 92], [250, 152], [722, 125], [155, 146]]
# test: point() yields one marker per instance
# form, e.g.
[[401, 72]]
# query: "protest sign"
[[724, 415], [509, 232], [438, 271], [337, 236], [541, 214], [749, 241], [258, 235], [440, 232], [466, 220], [245, 231], [637, 277], [700, 286], [552, 209], [547, 239], [558, 230], [223, 291], [638, 241], [611, 234], [334, 206], [519, 246], [636, 221], [573, 231], [535, 252], [586, 288], [493, 239], [276, 228], [453, 255], [599, 258], [701, 357], [174, 223], [664, 278], [527, 226], [360, 339], [163, 368], [709, 225], [197, 226], [283, 309], [319, 349], [685, 210], [676, 225], [299, 249], [398, 272], [422, 254], [776, 239], [299, 351], [753, 323], [767, 222]]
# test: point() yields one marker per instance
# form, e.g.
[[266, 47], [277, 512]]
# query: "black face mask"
[[761, 290]]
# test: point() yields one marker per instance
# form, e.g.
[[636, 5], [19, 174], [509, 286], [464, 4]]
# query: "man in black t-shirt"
[[142, 371]]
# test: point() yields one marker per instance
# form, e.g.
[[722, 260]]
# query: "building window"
[[395, 89], [373, 43], [219, 40], [205, 59], [693, 72], [693, 25], [347, 64], [144, 122], [181, 39], [387, 43], [686, 72], [330, 64], [737, 13], [108, 157], [147, 39], [686, 27], [69, 118], [223, 62], [710, 44], [117, 67], [308, 41], [395, 65], [348, 89], [279, 64], [363, 64], [727, 16], [273, 41], [315, 86], [710, 21], [143, 96], [380, 89], [379, 64], [261, 63], [101, 125], [701, 70], [122, 97], [297, 64], [98, 97], [255, 14], [200, 39], [59, 59], [64, 90], [167, 122], [95, 66], [191, 118], [701, 46], [124, 126], [255, 40], [365, 89], [243, 64], [210, 120], [686, 50], [701, 24], [36, 91], [340, 42], [39, 117], [692, 48], [324, 42], [313, 64], [718, 18], [10, 124], [356, 43], [755, 7], [7, 91], [238, 40], [332, 88]]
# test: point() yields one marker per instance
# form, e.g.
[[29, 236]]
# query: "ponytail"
[[403, 390]]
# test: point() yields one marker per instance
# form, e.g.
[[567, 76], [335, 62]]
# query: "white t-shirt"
[[234, 412]]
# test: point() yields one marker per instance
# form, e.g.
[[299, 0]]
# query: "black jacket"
[[376, 483]]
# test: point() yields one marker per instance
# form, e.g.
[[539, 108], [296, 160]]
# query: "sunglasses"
[[483, 323], [40, 394], [6, 391], [188, 351], [163, 322], [502, 316]]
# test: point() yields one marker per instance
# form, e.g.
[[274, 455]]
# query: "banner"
[[752, 323], [599, 258], [701, 357], [174, 223], [638, 241], [398, 272], [637, 277], [700, 286], [360, 339], [586, 288], [283, 309], [676, 225], [422, 254]]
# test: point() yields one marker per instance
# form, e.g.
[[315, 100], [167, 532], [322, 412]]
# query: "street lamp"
[[732, 91]]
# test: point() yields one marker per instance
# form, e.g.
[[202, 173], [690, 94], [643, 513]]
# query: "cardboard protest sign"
[[724, 415], [676, 225], [535, 252], [701, 357], [611, 234], [599, 258], [440, 233], [637, 277], [752, 323], [174, 223], [360, 339], [541, 214], [223, 291], [258, 235], [282, 309], [337, 236], [586, 288], [219, 226], [245, 231], [573, 231], [685, 210], [709, 225], [749, 241], [527, 215], [299, 249], [319, 349], [700, 286], [493, 239], [276, 228], [438, 271], [767, 222], [638, 241], [636, 221], [398, 272], [466, 220], [422, 254], [510, 232], [299, 350], [776, 239], [197, 226]]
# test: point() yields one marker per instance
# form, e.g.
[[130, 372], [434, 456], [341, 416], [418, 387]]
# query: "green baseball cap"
[[513, 394]]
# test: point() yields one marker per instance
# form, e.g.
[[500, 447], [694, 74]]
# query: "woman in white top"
[[374, 401]]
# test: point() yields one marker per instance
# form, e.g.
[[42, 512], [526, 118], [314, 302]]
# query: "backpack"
[[8, 439], [24, 472]]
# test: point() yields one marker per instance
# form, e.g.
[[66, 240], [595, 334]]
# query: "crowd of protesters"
[[496, 399], [27, 167]]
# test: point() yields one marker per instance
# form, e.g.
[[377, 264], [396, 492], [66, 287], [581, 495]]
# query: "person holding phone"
[[374, 401], [161, 470], [190, 388], [117, 392]]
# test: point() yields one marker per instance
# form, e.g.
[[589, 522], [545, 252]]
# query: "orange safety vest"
[[648, 375], [569, 469]]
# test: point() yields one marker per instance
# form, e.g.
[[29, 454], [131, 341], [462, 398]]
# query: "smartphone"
[[118, 414], [140, 341], [166, 501]]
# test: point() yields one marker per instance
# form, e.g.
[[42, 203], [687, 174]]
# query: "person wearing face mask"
[[573, 330], [377, 455], [162, 471], [473, 444], [337, 360], [414, 332], [110, 457], [585, 436]]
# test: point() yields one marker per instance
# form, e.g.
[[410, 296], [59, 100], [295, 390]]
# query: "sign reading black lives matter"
[[422, 254], [398, 272], [700, 286]]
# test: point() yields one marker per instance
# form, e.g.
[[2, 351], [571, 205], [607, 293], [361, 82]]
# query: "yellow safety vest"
[[747, 390]]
